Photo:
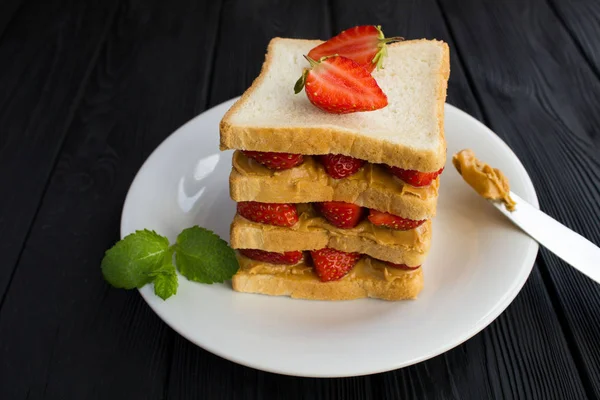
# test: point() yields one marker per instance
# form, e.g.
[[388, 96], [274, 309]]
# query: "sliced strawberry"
[[288, 257], [340, 214], [402, 266], [415, 178], [276, 161], [366, 45], [339, 85], [393, 221], [338, 166], [331, 265], [268, 213]]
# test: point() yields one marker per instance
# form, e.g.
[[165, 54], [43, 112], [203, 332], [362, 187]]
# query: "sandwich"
[[336, 189]]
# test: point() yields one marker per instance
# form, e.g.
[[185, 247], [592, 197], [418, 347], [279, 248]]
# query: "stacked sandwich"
[[335, 190]]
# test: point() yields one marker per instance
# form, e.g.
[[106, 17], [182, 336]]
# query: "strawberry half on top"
[[340, 214], [415, 178], [268, 213], [338, 166], [393, 221], [332, 265], [276, 161], [339, 85], [366, 45]]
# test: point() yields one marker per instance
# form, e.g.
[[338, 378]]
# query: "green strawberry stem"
[[382, 42], [312, 62], [302, 80]]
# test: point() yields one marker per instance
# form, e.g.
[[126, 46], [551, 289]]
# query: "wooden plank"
[[241, 48], [541, 96], [8, 10], [246, 28], [64, 333], [47, 53], [510, 358], [581, 19]]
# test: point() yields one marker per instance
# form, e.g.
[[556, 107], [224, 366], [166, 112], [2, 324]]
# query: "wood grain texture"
[[40, 85], [542, 99], [8, 10], [64, 333], [239, 58], [581, 19]]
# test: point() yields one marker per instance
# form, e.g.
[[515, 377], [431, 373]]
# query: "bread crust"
[[386, 199], [408, 287], [334, 140], [246, 234]]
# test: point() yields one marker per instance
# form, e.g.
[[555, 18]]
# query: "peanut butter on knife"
[[488, 182]]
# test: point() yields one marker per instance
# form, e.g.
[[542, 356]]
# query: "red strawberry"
[[402, 266], [338, 166], [415, 178], [268, 213], [366, 45], [340, 214], [331, 265], [276, 161], [393, 221], [288, 257], [339, 85]]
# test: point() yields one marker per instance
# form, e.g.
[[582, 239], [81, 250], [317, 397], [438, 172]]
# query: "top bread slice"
[[408, 133]]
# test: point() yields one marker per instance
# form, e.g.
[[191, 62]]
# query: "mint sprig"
[[146, 257]]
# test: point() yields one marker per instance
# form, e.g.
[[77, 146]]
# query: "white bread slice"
[[369, 278], [313, 232], [408, 133], [371, 187]]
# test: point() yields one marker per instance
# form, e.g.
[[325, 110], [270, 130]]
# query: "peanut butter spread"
[[311, 172], [489, 182], [366, 267], [309, 220]]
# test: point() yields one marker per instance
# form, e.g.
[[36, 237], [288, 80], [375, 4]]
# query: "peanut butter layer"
[[368, 278], [372, 186], [365, 268], [313, 232], [488, 182]]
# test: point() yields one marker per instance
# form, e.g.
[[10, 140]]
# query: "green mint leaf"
[[131, 261], [166, 264], [202, 256], [165, 281]]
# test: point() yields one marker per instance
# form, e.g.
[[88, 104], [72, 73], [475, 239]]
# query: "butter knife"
[[573, 248]]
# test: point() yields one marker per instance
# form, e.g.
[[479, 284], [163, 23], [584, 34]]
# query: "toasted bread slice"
[[408, 133], [373, 187], [368, 278], [314, 232]]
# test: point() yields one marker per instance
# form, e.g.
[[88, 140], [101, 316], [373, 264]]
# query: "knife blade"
[[570, 246]]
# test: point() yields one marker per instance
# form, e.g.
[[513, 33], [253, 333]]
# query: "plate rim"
[[502, 304]]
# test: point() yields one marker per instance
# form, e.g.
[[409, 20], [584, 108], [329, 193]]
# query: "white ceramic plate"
[[478, 263]]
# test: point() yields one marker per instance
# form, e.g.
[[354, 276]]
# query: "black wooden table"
[[89, 88]]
